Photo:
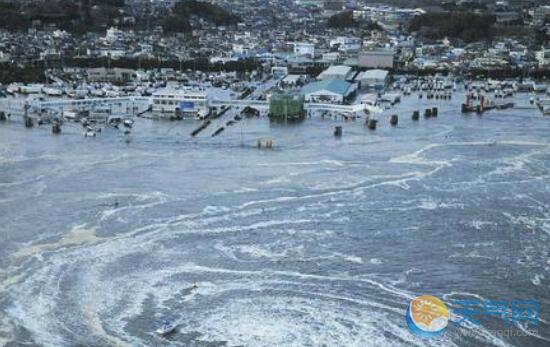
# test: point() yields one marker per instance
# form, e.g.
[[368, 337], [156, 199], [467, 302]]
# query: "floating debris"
[[56, 128], [128, 123], [203, 126], [217, 132], [268, 143], [29, 123], [371, 123]]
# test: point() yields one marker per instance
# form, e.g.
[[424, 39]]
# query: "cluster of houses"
[[291, 33], [290, 42]]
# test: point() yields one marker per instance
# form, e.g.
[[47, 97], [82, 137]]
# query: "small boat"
[[166, 329]]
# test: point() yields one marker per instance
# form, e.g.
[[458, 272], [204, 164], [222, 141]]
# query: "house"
[[304, 49], [341, 72], [346, 44], [116, 75], [334, 91], [540, 14], [543, 57]]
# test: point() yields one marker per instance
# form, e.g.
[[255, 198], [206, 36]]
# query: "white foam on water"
[[349, 258], [296, 321], [375, 261], [6, 331], [537, 280], [79, 235], [480, 224], [245, 190], [277, 180], [210, 209], [325, 162]]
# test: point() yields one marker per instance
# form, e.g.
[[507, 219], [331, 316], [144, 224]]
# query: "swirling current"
[[318, 242]]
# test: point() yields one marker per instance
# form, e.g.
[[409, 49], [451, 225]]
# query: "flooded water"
[[318, 242]]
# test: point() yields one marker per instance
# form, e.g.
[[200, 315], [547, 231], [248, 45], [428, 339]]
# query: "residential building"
[[116, 75], [304, 49], [543, 57]]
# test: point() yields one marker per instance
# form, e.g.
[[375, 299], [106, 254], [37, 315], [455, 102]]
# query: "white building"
[[279, 71], [189, 102], [543, 57], [346, 44], [540, 13], [341, 72], [114, 35], [239, 48], [304, 49]]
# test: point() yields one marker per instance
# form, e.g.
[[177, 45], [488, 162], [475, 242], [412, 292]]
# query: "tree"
[[342, 20], [466, 26]]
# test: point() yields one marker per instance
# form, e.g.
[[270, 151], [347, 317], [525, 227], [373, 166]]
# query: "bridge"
[[80, 104], [264, 106], [139, 104], [33, 106]]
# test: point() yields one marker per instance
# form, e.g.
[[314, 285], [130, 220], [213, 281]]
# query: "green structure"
[[286, 107]]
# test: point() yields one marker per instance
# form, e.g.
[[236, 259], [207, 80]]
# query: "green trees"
[[210, 12], [342, 20], [82, 16], [466, 26], [179, 22]]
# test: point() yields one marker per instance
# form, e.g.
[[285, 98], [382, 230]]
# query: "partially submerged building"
[[341, 72], [375, 79], [185, 102], [336, 91], [286, 107]]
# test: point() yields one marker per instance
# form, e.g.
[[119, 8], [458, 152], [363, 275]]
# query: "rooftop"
[[334, 85], [377, 74]]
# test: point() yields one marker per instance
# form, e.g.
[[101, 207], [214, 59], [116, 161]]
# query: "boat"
[[31, 89], [51, 91], [504, 106], [100, 114], [166, 329], [539, 88], [71, 116], [544, 106]]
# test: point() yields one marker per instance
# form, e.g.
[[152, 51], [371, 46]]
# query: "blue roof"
[[336, 86]]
